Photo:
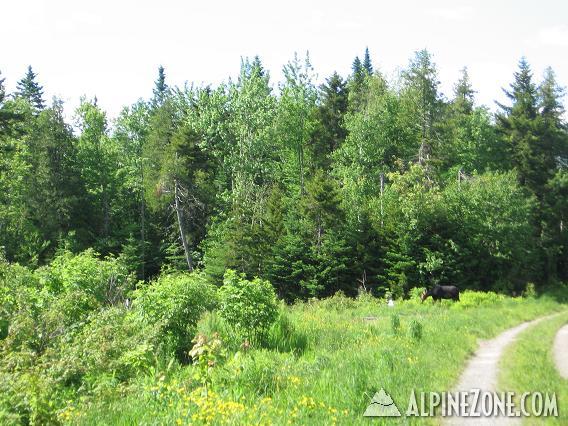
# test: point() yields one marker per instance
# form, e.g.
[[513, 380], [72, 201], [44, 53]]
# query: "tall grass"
[[322, 363]]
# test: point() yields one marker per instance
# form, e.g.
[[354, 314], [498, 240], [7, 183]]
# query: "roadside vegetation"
[[186, 351]]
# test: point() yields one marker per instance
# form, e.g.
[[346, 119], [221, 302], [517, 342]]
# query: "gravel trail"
[[482, 371], [560, 350]]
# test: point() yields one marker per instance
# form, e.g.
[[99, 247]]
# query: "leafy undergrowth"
[[528, 366], [336, 354]]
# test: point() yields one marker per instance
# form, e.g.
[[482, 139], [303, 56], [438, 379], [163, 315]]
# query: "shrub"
[[114, 343], [284, 337], [107, 280], [262, 372], [212, 323], [175, 302], [415, 293], [249, 306], [395, 323], [415, 329], [19, 291], [470, 299], [339, 301], [530, 291]]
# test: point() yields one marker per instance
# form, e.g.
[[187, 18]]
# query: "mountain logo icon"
[[382, 405]]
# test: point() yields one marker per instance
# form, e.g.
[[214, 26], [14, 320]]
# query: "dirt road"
[[482, 371], [561, 351]]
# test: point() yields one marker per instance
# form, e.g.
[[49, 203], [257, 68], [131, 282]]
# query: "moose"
[[442, 292]]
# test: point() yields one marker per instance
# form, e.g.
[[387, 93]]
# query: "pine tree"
[[160, 88], [555, 136], [55, 191], [464, 93], [554, 155], [28, 88], [357, 70], [422, 86], [367, 64], [521, 128], [330, 132], [468, 133]]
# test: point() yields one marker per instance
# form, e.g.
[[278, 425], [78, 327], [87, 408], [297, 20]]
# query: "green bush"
[[470, 299], [415, 329], [107, 280], [261, 372], [114, 343], [395, 323], [175, 302], [284, 337], [249, 306], [19, 291], [530, 291], [415, 293], [339, 301]]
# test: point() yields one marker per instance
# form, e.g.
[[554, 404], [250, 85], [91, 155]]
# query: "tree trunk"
[[179, 214], [143, 236]]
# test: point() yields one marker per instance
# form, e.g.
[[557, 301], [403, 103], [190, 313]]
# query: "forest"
[[117, 235], [359, 183]]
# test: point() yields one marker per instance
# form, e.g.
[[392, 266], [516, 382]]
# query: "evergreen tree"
[[357, 86], [520, 127], [330, 132], [469, 138], [28, 88], [357, 70], [554, 156], [161, 89], [555, 131], [367, 64], [55, 192], [464, 93], [422, 83]]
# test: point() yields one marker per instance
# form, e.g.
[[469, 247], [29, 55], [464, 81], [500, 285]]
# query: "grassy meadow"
[[321, 363]]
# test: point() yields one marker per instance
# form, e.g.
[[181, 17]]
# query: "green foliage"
[[249, 306], [114, 343], [395, 323], [29, 89], [366, 185], [470, 299], [530, 290], [206, 353], [174, 303], [283, 336], [108, 280], [415, 329]]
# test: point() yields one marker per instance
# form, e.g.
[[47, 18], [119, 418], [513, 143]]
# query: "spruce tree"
[[357, 92], [555, 136], [28, 88], [553, 153], [160, 88], [330, 132], [357, 69], [422, 83], [367, 65], [519, 124], [464, 93]]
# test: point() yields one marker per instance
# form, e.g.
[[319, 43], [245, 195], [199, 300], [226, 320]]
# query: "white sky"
[[112, 49]]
